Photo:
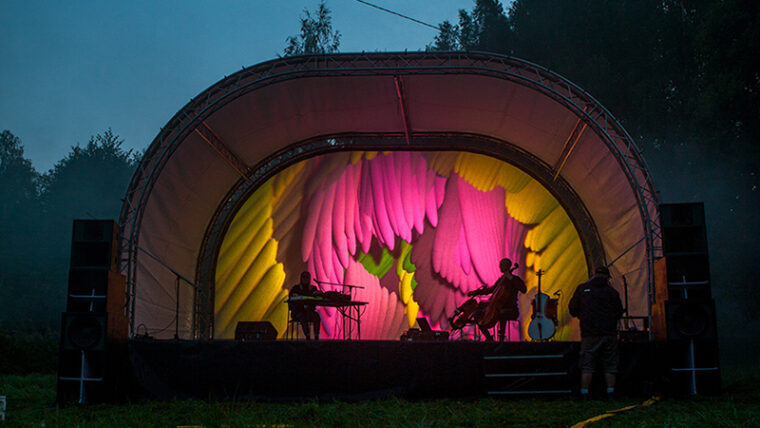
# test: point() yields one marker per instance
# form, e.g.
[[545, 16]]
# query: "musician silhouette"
[[304, 313], [502, 306]]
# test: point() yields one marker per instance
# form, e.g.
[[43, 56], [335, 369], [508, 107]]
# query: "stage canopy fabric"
[[410, 175]]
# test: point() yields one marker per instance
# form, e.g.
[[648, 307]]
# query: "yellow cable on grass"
[[612, 413]]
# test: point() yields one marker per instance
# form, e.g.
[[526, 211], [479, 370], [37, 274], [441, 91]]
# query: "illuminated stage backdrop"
[[416, 230]]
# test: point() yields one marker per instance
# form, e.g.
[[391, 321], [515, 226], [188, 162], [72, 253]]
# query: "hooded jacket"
[[598, 307]]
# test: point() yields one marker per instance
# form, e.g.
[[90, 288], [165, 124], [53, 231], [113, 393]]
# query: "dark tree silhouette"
[[88, 183], [18, 184], [447, 38], [317, 35], [19, 226], [486, 28]]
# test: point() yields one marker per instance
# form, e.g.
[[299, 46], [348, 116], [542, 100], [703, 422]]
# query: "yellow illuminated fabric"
[[248, 278], [406, 290]]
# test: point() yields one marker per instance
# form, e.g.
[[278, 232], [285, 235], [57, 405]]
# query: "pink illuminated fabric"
[[458, 234], [432, 239]]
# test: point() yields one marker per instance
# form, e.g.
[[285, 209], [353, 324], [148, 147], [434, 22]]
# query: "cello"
[[486, 313], [541, 327], [463, 313]]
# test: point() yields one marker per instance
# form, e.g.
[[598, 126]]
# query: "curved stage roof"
[[230, 140]]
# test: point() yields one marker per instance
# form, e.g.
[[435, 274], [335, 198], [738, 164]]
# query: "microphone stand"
[[625, 292], [179, 277]]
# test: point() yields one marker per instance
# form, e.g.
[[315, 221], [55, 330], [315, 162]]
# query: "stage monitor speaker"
[[94, 244], [248, 331]]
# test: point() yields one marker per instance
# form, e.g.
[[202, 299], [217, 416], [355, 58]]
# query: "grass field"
[[30, 399]]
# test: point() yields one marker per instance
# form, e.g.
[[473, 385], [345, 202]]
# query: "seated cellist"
[[502, 306]]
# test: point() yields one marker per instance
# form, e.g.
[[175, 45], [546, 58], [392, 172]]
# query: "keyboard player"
[[301, 311]]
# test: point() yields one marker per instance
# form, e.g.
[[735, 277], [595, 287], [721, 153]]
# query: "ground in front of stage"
[[31, 397]]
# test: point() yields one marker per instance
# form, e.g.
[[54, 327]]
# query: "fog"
[[725, 178]]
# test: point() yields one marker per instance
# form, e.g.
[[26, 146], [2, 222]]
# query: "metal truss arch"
[[249, 79]]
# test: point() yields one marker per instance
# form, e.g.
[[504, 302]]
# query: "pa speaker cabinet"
[[248, 331], [91, 365], [96, 290], [691, 319], [82, 358], [684, 245], [95, 244], [100, 291], [695, 367], [83, 331], [690, 214], [83, 377], [693, 269]]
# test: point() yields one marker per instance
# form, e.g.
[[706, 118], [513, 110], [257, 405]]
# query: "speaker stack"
[[690, 308], [94, 325]]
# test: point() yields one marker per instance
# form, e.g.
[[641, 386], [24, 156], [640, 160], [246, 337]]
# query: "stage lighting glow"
[[416, 230]]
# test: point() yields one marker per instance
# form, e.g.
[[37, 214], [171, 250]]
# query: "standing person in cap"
[[598, 307], [502, 306]]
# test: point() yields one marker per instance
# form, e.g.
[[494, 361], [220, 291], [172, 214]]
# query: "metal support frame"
[[569, 146], [402, 106], [212, 139], [548, 83]]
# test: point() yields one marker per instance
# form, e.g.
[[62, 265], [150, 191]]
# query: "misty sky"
[[69, 70]]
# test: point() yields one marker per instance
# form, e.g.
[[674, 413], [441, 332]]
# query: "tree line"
[[36, 215], [672, 68]]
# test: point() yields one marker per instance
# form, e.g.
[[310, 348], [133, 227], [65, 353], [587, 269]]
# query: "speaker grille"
[[83, 331], [691, 319]]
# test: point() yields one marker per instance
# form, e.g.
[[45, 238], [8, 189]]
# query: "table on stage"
[[349, 310]]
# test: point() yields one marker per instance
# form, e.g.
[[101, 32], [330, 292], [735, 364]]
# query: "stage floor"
[[359, 370]]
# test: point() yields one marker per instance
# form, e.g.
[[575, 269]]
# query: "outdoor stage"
[[399, 182], [407, 178], [360, 370]]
